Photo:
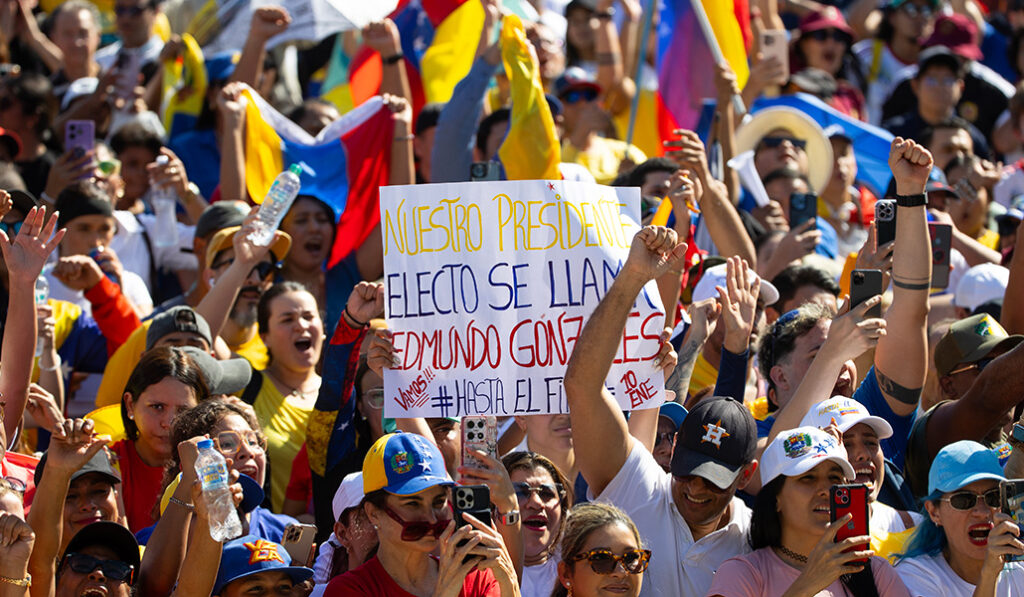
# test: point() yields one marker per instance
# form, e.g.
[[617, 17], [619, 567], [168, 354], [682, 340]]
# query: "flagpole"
[[634, 105], [716, 52]]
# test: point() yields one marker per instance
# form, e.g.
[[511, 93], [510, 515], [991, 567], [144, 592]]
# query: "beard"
[[241, 314]]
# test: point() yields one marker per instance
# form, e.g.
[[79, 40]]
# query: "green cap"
[[295, 169], [970, 340]]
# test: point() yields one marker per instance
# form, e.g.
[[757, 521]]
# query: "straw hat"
[[819, 150]]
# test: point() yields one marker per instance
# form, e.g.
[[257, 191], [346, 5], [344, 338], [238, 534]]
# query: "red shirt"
[[23, 468], [372, 580], [140, 485]]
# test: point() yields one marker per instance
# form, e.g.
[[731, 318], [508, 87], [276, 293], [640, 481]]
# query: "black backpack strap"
[[252, 390]]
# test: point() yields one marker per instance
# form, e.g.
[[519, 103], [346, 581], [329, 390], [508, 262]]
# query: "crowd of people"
[[129, 341]]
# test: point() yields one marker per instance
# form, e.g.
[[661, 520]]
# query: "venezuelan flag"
[[349, 160], [457, 26], [686, 68], [184, 88]]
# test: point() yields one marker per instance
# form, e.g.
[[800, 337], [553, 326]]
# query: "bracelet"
[[358, 323], [56, 365], [182, 503], [18, 582], [408, 137], [393, 59], [605, 14], [911, 200]]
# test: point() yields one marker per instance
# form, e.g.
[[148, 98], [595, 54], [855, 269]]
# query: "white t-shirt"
[[888, 519], [134, 252], [679, 566], [148, 52], [538, 581], [888, 69], [927, 576], [132, 287]]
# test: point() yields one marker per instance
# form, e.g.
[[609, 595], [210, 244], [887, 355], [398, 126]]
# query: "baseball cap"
[[222, 377], [980, 284], [939, 55], [573, 78], [715, 276], [971, 339], [845, 413], [99, 463], [110, 535], [178, 319], [223, 238], [827, 18], [674, 411], [716, 440], [962, 463], [221, 65], [23, 200], [956, 32], [222, 214], [796, 451], [403, 464], [349, 494], [250, 555], [12, 140]]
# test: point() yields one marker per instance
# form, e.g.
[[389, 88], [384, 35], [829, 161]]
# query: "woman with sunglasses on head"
[[545, 496], [408, 501], [602, 553], [959, 548], [794, 543]]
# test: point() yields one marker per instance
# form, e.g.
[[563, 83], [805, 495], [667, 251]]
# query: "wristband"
[[18, 582], [182, 503], [911, 200], [393, 59], [348, 314], [56, 365], [605, 14]]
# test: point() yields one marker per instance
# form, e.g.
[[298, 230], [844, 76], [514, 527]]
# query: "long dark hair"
[[766, 532], [154, 366]]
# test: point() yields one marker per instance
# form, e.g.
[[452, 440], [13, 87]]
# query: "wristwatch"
[[509, 518]]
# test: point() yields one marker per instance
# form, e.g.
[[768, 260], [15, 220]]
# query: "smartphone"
[[850, 499], [479, 433], [802, 207], [298, 542], [885, 221], [80, 136], [1011, 495], [474, 500], [775, 43], [128, 68], [941, 236], [483, 171], [864, 284]]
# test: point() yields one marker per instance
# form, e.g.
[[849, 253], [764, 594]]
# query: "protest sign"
[[487, 288]]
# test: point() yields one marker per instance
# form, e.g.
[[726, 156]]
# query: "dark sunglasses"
[[603, 561], [664, 437], [112, 569], [979, 365], [546, 492], [264, 268], [10, 229], [131, 11], [576, 95], [966, 500], [773, 142], [417, 529], [827, 34]]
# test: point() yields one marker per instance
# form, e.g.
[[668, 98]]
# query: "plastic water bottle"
[[42, 294], [165, 205], [276, 204], [213, 473]]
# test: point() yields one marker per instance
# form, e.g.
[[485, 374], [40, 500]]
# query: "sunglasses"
[[112, 569], [13, 483], [546, 492], [827, 34], [264, 269], [10, 229], [577, 95], [664, 438], [417, 529], [913, 10], [230, 442], [773, 142], [603, 561], [131, 11], [979, 365], [966, 500]]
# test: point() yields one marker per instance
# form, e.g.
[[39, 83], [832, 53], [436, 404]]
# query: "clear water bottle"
[[165, 205], [213, 473], [276, 204], [42, 294]]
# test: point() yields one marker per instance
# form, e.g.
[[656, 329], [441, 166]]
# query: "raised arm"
[[47, 51], [231, 105], [1012, 316], [703, 316], [203, 559], [901, 359], [739, 308], [267, 21], [383, 37], [683, 193], [24, 258], [600, 434], [16, 541], [611, 76]]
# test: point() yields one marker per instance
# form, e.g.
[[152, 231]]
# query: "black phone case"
[[802, 207], [885, 220], [941, 237], [474, 500], [864, 284]]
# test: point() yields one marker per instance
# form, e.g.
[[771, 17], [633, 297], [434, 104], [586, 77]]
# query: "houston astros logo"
[[714, 433]]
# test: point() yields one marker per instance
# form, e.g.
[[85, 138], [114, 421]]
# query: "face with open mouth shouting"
[[966, 530], [91, 584], [803, 502], [295, 332], [865, 454], [540, 507], [247, 459], [310, 224]]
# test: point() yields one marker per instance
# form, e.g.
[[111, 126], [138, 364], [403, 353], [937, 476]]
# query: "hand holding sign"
[[655, 251]]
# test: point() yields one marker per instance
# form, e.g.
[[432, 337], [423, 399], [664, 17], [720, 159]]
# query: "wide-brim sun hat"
[[801, 126]]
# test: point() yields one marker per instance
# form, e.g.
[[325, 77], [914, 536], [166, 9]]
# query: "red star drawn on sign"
[[551, 187]]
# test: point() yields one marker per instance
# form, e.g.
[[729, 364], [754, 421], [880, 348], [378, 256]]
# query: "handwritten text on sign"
[[488, 285]]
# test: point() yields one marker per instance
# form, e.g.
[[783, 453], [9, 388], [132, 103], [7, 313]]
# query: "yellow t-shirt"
[[120, 366], [284, 423], [254, 351], [989, 238], [603, 158], [704, 375]]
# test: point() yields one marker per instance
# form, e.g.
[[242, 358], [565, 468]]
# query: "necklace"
[[792, 554], [296, 392]]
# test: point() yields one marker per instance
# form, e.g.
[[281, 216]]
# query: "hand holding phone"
[[864, 284], [471, 500], [479, 433], [1011, 496], [775, 44], [850, 499], [298, 542], [885, 221]]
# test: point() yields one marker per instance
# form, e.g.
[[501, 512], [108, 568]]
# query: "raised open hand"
[[35, 241], [739, 304], [74, 446]]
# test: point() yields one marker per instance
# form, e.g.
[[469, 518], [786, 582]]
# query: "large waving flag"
[[530, 150], [349, 160], [184, 89], [457, 26], [686, 67]]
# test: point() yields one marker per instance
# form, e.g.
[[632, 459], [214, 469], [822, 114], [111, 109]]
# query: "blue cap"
[[404, 464], [674, 411], [250, 555], [221, 65], [204, 444], [962, 463]]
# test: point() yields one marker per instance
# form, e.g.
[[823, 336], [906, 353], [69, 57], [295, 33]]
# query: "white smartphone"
[[775, 43]]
